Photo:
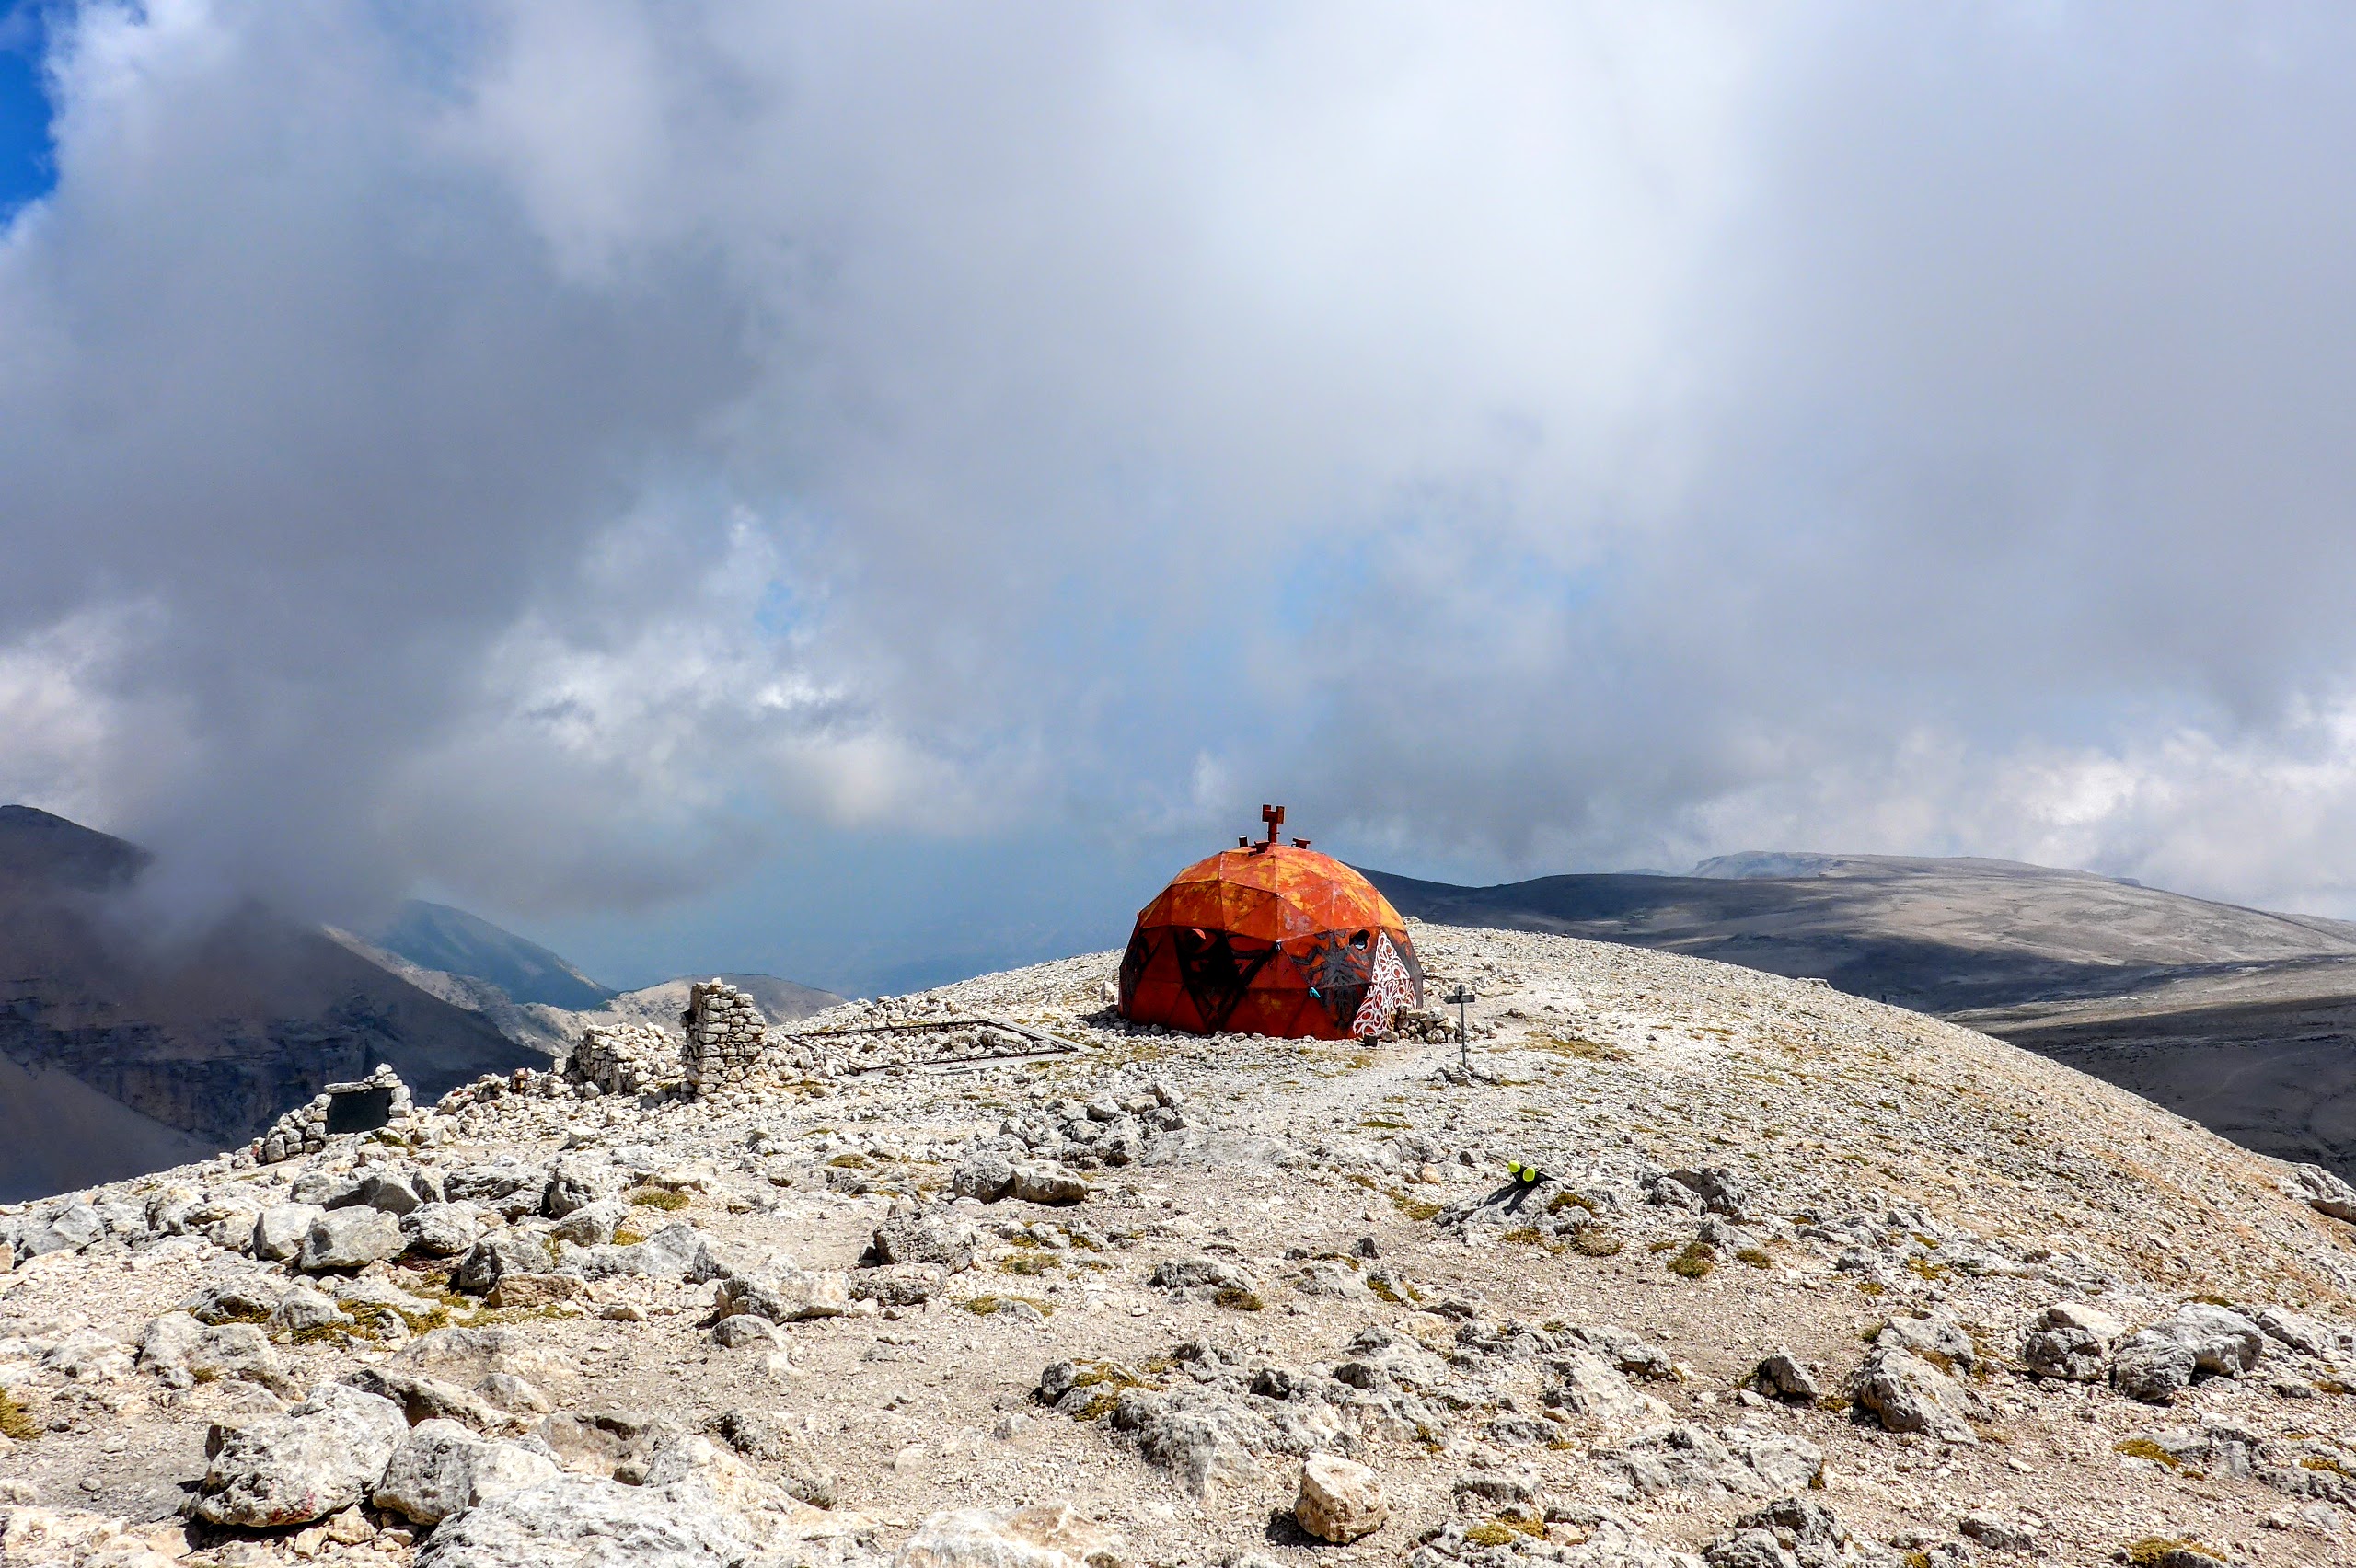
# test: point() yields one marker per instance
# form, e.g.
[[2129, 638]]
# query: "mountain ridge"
[[2243, 1018]]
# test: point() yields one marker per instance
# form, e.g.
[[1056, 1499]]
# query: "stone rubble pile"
[[304, 1130], [626, 1058]]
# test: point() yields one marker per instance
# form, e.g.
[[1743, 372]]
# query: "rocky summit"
[[1671, 1263]]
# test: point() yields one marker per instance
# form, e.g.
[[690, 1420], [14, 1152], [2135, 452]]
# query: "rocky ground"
[[1695, 1263]]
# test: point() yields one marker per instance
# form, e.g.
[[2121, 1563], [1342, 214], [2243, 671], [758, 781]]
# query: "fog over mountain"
[[697, 458]]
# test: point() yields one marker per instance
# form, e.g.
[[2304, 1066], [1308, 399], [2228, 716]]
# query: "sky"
[[863, 493]]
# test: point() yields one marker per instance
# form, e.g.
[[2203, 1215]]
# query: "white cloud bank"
[[569, 454]]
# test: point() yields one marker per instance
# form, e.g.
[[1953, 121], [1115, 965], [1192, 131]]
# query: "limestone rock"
[[442, 1231], [593, 1224], [899, 1284], [1687, 1458], [280, 1229], [1781, 1376], [349, 1238], [1590, 1386], [1036, 1181], [499, 1255], [784, 1294], [985, 1176], [395, 1191], [441, 1467], [423, 1398], [576, 1521], [183, 1352], [1046, 1535], [2324, 1191], [305, 1311], [2154, 1363], [762, 1436], [466, 1356], [323, 1454], [1907, 1393], [1339, 1500], [926, 1239], [743, 1328], [678, 1251], [576, 1182]]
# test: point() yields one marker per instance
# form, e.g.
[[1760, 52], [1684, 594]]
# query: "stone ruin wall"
[[725, 1033], [304, 1130]]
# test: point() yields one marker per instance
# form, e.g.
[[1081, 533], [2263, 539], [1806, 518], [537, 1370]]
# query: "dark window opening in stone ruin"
[[359, 1111]]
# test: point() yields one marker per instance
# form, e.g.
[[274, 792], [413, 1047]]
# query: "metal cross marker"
[[1275, 817], [1459, 998]]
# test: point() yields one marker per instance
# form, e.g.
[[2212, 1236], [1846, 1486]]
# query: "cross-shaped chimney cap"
[[1275, 817]]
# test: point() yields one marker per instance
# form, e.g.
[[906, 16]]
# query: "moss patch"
[[1696, 1262], [990, 1306], [1595, 1240], [2152, 1551], [2144, 1448], [15, 1422], [1414, 1208], [658, 1198], [1030, 1264], [1236, 1301]]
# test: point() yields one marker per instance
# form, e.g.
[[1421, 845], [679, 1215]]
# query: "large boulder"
[[395, 1192], [497, 1256], [2154, 1363], [1046, 1535], [182, 1352], [678, 1251], [442, 1231], [466, 1356], [593, 1224], [1339, 1500], [1038, 1182], [576, 1182], [983, 1176], [1742, 1462], [1907, 1393], [2070, 1340], [280, 1228], [2323, 1192], [441, 1467], [322, 1456], [926, 1239], [1590, 1386], [578, 1521], [349, 1238], [785, 1294]]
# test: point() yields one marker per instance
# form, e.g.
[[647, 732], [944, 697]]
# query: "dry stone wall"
[[304, 1130], [724, 1034], [626, 1058]]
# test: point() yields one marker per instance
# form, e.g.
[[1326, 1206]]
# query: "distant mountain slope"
[[2239, 1018], [435, 936], [211, 1037], [1937, 935], [57, 1133], [780, 1001]]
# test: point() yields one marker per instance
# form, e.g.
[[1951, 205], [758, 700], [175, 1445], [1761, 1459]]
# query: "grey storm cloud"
[[566, 453]]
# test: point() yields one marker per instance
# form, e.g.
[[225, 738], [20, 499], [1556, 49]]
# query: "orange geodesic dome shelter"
[[1270, 938]]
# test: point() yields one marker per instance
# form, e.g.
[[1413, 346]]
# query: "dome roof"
[[1270, 938]]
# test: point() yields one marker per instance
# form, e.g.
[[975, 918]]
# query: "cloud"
[[575, 458]]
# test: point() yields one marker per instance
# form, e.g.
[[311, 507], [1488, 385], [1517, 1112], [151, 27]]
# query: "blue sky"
[[25, 170], [864, 494]]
